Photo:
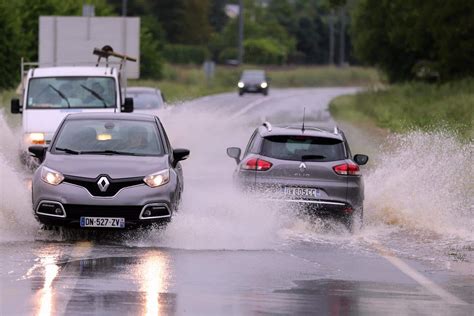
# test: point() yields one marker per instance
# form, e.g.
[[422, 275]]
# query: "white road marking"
[[81, 250], [251, 105], [416, 276]]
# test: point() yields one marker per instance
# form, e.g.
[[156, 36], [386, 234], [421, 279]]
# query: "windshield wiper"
[[61, 95], [95, 94], [68, 151], [311, 157], [109, 152]]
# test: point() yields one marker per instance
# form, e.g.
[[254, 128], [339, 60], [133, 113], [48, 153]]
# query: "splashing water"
[[420, 184], [424, 183], [16, 219]]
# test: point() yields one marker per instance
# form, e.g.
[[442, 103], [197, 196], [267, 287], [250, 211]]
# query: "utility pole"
[[124, 7], [241, 33], [331, 37], [342, 36]]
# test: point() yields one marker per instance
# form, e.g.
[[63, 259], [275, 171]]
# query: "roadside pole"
[[331, 38], [241, 32], [342, 36]]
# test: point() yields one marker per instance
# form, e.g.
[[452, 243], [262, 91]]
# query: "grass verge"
[[187, 82], [410, 106]]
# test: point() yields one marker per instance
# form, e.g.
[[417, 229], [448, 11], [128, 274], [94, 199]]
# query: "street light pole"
[[342, 37], [124, 7], [331, 37], [241, 32]]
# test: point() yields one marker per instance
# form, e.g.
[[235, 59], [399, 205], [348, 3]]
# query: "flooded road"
[[224, 254]]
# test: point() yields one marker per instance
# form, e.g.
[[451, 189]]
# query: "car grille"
[[74, 211], [115, 185]]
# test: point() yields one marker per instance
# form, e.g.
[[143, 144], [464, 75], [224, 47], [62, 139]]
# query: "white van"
[[49, 94]]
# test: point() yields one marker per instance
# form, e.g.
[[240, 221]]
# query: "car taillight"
[[345, 169], [257, 164]]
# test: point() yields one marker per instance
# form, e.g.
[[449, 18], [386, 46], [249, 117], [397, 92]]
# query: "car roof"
[[267, 130], [111, 116], [253, 72], [72, 72], [142, 89]]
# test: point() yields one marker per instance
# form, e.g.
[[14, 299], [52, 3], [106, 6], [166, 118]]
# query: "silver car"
[[146, 100], [107, 170], [305, 166]]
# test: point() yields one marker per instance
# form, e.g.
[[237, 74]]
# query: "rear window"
[[303, 148], [145, 100]]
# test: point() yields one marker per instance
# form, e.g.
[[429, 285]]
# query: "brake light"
[[345, 169], [257, 164]]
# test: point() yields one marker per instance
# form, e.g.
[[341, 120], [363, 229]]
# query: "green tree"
[[217, 16], [398, 35], [10, 51], [195, 28], [151, 62]]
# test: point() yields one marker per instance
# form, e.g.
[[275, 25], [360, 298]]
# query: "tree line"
[[429, 39]]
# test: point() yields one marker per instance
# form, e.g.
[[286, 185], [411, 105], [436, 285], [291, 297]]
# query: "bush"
[[228, 54], [185, 54], [412, 105], [264, 51]]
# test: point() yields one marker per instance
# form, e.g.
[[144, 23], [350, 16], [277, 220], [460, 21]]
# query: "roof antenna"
[[304, 112]]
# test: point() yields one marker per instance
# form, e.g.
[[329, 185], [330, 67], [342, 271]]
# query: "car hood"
[[252, 81], [91, 166]]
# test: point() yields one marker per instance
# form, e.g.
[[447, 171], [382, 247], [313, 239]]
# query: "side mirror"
[[15, 106], [38, 152], [127, 106], [234, 152], [180, 154], [361, 159]]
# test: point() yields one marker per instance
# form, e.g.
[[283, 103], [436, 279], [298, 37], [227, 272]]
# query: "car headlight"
[[158, 178], [263, 85], [36, 138], [51, 176], [240, 84]]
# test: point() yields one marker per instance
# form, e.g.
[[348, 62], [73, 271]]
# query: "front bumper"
[[253, 89], [54, 213], [74, 201]]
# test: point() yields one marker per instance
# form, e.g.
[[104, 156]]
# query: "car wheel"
[[265, 92], [355, 221], [177, 201], [241, 93]]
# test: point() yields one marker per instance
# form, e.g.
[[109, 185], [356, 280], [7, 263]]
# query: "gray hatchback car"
[[109, 170], [306, 166]]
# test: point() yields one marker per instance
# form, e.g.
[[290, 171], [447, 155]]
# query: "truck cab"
[[50, 94]]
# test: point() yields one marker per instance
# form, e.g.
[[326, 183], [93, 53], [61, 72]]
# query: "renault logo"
[[302, 167], [103, 184]]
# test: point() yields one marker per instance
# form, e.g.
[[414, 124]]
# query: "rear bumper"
[[316, 207]]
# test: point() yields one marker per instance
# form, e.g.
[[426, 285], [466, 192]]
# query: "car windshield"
[[145, 100], [303, 148], [121, 137], [71, 92], [257, 75]]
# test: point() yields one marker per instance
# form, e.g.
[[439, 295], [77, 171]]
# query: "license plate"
[[109, 222], [302, 192]]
